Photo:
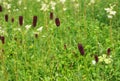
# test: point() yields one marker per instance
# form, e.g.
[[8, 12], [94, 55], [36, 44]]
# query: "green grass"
[[54, 54]]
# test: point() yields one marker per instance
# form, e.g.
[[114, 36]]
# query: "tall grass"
[[50, 50]]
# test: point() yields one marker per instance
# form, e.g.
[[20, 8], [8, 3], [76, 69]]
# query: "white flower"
[[38, 0], [8, 6], [92, 1], [105, 59], [108, 60], [19, 2], [110, 11], [40, 29], [52, 3], [113, 12], [27, 27], [110, 16], [62, 1], [44, 7], [25, 8], [93, 62], [64, 9]]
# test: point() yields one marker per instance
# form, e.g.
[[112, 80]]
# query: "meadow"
[[59, 40]]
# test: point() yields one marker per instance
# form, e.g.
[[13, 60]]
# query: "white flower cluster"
[[91, 2], [62, 1], [105, 59], [6, 5], [38, 30], [110, 11], [1, 31]]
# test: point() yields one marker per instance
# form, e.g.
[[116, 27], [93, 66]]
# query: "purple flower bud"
[[20, 20], [6, 17], [51, 15], [96, 58], [81, 49], [2, 38], [108, 51], [0, 8], [57, 22], [12, 20], [34, 21]]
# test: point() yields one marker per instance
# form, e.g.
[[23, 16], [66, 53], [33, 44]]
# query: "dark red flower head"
[[2, 38], [65, 46], [36, 35], [12, 20], [96, 58], [108, 51], [81, 49], [51, 15], [20, 20], [6, 17], [0, 8], [57, 22], [34, 21]]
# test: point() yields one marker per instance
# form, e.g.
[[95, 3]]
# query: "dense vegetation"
[[59, 40]]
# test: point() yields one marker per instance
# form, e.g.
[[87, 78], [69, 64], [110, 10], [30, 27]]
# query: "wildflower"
[[53, 4], [44, 7], [25, 8], [51, 15], [8, 6], [65, 46], [0, 8], [34, 21], [36, 35], [105, 59], [62, 1], [38, 0], [108, 60], [110, 16], [96, 58], [64, 8], [110, 11], [12, 20], [2, 38], [19, 2], [40, 29], [93, 62], [27, 27], [81, 49], [57, 21], [108, 51], [6, 17], [20, 20], [91, 2]]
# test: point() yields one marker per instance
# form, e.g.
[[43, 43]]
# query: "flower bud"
[[20, 20], [34, 21], [57, 22], [81, 49]]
